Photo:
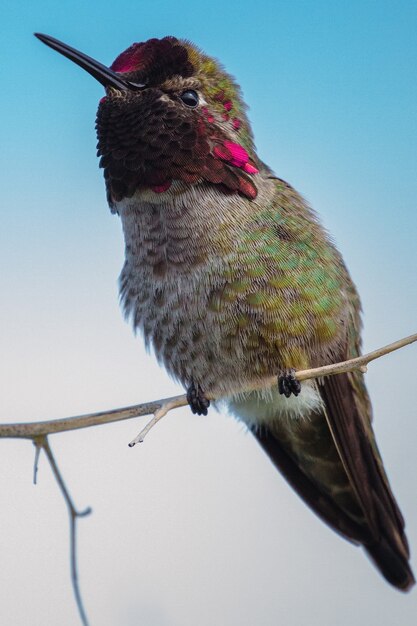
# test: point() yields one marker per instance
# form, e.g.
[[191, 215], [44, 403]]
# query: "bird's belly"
[[222, 311], [194, 341], [221, 348]]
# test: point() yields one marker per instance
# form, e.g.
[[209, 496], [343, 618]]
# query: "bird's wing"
[[332, 461]]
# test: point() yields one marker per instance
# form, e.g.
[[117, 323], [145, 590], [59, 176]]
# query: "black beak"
[[100, 72]]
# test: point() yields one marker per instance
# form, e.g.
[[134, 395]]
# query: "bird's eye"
[[190, 98]]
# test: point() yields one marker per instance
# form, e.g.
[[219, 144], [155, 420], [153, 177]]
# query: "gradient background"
[[195, 526]]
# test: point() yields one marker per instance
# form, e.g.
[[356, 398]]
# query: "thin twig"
[[359, 363], [38, 431], [73, 515], [38, 448], [168, 405], [355, 364], [31, 430]]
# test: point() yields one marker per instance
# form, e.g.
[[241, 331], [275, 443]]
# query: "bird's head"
[[170, 113]]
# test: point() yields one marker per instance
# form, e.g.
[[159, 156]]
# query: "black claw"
[[288, 384], [197, 400]]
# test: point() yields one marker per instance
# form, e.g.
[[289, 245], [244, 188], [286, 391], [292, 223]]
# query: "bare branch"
[[360, 363], [167, 405], [32, 430], [73, 515], [38, 431], [38, 448]]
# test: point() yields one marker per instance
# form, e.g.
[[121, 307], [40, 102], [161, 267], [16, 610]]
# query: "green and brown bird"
[[232, 279]]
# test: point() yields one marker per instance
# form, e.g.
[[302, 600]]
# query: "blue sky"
[[215, 536]]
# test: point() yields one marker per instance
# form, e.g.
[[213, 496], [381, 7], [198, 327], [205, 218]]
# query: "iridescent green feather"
[[285, 273]]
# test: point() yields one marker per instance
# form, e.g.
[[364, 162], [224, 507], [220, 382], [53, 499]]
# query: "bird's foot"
[[197, 400], [288, 384]]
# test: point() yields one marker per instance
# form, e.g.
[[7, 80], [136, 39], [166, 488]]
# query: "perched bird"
[[231, 278]]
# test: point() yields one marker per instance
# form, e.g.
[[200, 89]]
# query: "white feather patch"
[[263, 408]]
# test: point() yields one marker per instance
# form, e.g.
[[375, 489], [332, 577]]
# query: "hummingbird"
[[231, 279]]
